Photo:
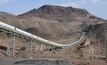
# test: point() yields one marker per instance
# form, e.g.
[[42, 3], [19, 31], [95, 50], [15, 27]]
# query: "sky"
[[95, 7]]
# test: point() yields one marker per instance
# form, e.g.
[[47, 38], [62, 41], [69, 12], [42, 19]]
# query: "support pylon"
[[105, 30], [29, 45], [11, 45], [26, 45], [8, 51], [14, 41]]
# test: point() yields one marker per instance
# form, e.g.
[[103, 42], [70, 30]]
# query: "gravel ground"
[[21, 61]]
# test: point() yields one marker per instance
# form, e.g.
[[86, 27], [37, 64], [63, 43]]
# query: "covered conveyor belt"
[[19, 32]]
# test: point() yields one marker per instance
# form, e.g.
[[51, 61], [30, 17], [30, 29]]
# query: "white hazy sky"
[[95, 7]]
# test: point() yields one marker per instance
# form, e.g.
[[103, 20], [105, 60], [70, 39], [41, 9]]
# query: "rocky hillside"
[[52, 22], [59, 13], [58, 23]]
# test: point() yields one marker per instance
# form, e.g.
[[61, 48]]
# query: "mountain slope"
[[60, 13], [52, 22]]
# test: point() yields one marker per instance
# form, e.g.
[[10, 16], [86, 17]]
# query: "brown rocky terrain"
[[62, 25]]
